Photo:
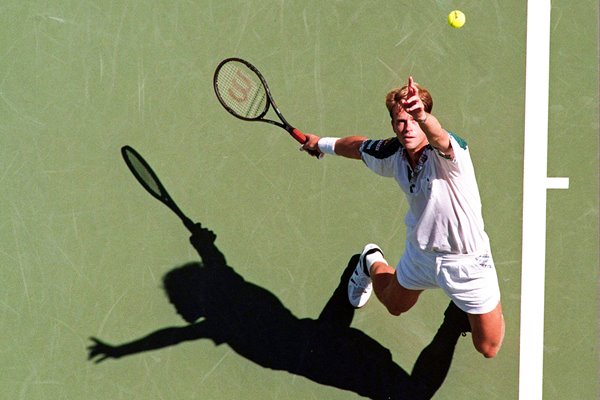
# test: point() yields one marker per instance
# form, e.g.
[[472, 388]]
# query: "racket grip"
[[189, 224], [301, 138]]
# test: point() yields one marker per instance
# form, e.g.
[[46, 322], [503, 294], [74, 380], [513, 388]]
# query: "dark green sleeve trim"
[[461, 142], [381, 148]]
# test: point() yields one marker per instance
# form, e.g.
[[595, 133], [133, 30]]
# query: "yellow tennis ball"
[[456, 19]]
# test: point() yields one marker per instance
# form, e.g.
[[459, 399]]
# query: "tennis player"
[[446, 244]]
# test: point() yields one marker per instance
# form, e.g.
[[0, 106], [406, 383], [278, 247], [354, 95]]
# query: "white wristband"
[[327, 144]]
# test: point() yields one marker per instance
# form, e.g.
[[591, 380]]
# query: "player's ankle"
[[373, 258]]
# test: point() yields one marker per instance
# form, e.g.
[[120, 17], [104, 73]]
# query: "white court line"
[[557, 183], [535, 185]]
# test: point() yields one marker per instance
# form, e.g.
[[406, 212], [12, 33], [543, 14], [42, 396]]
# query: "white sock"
[[373, 258]]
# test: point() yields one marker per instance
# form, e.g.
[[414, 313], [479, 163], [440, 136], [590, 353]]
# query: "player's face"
[[408, 131]]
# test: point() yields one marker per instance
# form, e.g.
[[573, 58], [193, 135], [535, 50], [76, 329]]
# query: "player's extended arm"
[[346, 147], [436, 135], [100, 351], [203, 241]]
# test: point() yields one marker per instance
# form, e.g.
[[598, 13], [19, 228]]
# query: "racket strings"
[[144, 174], [241, 90]]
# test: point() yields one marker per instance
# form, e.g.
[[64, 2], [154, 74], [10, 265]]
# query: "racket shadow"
[[220, 305]]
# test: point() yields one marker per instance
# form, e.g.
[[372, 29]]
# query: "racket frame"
[[295, 133], [164, 196]]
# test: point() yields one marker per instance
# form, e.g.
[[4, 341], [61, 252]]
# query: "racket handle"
[[301, 138], [188, 223]]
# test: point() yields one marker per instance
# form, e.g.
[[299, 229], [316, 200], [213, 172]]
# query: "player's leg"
[[396, 298], [488, 331], [472, 284], [373, 273]]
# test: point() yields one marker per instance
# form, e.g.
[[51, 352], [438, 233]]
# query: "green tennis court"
[[85, 248]]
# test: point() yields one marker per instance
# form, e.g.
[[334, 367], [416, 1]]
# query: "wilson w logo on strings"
[[245, 94]]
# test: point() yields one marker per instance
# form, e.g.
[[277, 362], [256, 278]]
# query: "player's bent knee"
[[397, 309], [488, 332], [398, 300], [488, 350], [491, 353]]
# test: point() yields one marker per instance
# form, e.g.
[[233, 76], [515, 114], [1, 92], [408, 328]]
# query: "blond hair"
[[393, 98]]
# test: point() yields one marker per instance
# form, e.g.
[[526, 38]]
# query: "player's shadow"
[[221, 306]]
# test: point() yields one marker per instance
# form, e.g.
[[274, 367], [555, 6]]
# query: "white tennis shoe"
[[360, 286]]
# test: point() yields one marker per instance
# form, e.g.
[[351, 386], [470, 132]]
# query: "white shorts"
[[468, 279]]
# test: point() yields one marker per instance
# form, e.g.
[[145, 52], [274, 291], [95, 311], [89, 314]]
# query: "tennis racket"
[[149, 181], [243, 91]]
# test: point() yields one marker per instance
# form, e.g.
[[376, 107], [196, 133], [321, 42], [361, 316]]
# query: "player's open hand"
[[202, 236], [413, 104], [100, 351]]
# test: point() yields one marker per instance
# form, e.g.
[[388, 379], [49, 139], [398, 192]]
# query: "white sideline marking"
[[535, 184]]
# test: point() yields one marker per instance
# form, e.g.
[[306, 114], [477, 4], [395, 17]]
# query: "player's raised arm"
[[436, 135]]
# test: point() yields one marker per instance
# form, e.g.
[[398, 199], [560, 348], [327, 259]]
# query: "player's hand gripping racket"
[[148, 179], [244, 92]]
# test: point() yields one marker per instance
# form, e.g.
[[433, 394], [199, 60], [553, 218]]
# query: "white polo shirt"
[[444, 212]]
